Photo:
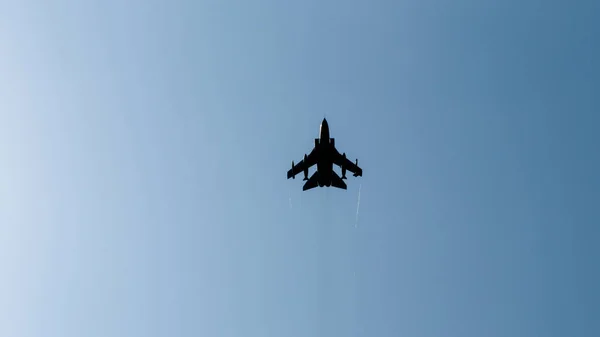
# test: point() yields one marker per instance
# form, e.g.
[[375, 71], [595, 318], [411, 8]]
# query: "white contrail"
[[290, 202], [357, 206]]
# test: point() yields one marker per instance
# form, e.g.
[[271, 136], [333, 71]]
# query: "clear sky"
[[144, 147]]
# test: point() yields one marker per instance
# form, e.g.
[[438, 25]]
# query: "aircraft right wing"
[[343, 162], [303, 165]]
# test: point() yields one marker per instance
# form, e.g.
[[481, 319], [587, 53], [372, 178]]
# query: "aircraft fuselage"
[[325, 150]]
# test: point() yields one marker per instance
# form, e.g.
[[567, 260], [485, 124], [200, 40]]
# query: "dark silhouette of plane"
[[324, 155]]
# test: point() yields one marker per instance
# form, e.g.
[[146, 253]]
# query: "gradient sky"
[[144, 147]]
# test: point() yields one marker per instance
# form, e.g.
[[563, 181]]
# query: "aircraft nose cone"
[[324, 130]]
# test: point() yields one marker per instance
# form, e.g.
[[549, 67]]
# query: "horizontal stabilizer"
[[336, 181], [312, 182]]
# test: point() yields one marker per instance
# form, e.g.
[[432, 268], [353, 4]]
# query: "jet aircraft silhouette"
[[324, 155]]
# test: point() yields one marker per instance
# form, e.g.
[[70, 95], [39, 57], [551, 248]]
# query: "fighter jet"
[[324, 155]]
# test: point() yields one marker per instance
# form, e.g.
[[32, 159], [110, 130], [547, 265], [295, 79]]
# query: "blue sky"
[[144, 146]]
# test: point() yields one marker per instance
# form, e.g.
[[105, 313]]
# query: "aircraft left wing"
[[343, 162], [303, 165]]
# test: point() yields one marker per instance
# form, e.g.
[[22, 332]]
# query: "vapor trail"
[[357, 206]]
